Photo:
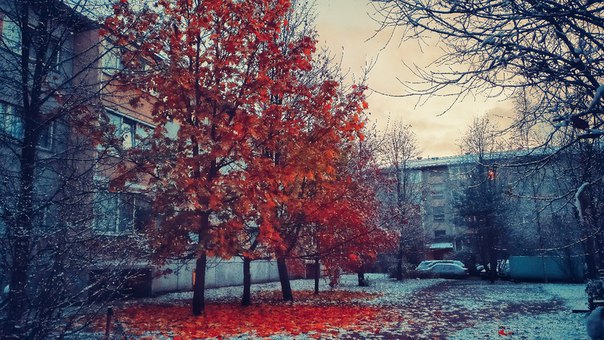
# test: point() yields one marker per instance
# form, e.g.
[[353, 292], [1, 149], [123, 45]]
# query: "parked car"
[[424, 265], [447, 270], [457, 262]]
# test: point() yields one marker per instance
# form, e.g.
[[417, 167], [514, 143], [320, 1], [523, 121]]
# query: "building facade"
[[86, 122], [439, 180], [520, 204]]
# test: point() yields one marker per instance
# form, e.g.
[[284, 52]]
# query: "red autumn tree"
[[270, 148], [349, 233], [248, 134], [303, 167], [215, 70], [299, 143]]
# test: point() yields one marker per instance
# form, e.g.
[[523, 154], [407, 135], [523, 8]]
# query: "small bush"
[[595, 291]]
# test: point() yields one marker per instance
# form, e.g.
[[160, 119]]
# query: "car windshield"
[[425, 264]]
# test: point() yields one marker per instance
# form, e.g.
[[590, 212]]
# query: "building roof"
[[509, 156], [441, 245]]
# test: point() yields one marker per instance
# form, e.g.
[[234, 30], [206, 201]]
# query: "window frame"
[[438, 214], [136, 126], [11, 123], [12, 43], [48, 135], [440, 233], [439, 217], [111, 60], [8, 127], [437, 191], [64, 55], [122, 215]]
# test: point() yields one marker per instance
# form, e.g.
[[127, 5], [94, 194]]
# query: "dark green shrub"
[[595, 291]]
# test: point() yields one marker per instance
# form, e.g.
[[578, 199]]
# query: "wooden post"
[[317, 274], [108, 324]]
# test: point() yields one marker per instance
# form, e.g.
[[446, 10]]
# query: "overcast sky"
[[345, 25]]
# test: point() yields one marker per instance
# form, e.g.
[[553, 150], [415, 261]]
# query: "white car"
[[425, 265], [447, 270]]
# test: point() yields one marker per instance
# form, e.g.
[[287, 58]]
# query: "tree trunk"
[[493, 263], [590, 258], [199, 285], [247, 282], [19, 234], [286, 288], [317, 274], [361, 277], [17, 296], [399, 263]]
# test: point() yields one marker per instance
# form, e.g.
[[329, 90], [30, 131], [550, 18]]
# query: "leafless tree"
[[546, 55], [547, 51], [542, 222], [396, 147], [583, 165], [52, 122], [482, 138]]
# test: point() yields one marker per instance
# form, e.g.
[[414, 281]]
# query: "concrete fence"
[[219, 273]]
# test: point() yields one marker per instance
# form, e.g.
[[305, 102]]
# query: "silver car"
[[425, 265], [447, 270]]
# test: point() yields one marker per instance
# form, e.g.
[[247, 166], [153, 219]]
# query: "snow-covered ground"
[[393, 292], [443, 309], [559, 323]]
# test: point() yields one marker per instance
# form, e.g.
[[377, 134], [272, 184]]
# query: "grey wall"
[[219, 273]]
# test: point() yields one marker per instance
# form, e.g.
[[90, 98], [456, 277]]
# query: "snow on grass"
[[573, 295], [556, 324], [393, 291]]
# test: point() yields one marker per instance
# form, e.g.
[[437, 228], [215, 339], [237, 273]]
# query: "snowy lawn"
[[387, 309]]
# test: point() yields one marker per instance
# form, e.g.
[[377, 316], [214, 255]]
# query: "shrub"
[[595, 291]]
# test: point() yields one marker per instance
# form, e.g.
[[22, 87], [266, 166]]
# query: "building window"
[[437, 191], [120, 213], [438, 214], [59, 57], [112, 60], [11, 34], [10, 121], [11, 124], [45, 139], [440, 233], [129, 131], [436, 176]]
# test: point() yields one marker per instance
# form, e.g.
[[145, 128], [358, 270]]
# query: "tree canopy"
[[260, 129]]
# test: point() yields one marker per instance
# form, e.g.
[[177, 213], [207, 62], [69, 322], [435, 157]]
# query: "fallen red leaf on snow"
[[312, 313]]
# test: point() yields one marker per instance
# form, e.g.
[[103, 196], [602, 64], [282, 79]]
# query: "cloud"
[[346, 24]]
